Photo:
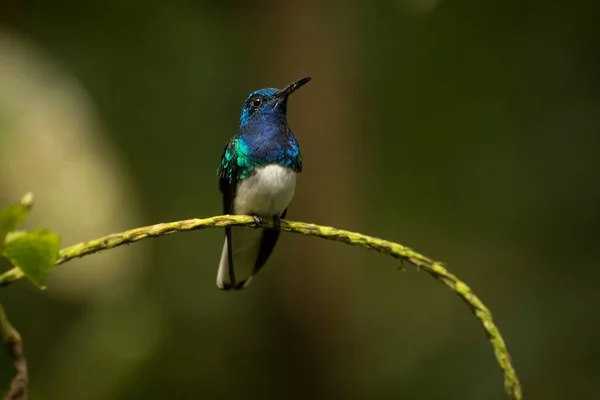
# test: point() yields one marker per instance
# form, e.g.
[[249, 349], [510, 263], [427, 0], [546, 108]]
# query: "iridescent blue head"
[[268, 101]]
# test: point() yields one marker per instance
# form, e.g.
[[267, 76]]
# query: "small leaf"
[[12, 216], [10, 236], [34, 253]]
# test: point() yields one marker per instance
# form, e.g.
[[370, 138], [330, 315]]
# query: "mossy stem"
[[398, 251]]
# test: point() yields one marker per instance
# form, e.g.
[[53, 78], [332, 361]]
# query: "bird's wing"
[[241, 247], [228, 176]]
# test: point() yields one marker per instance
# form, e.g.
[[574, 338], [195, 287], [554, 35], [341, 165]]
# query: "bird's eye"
[[256, 102]]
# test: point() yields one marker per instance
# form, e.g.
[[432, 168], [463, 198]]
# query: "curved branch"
[[434, 268], [14, 346]]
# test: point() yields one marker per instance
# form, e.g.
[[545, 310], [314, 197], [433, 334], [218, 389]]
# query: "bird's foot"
[[257, 220]]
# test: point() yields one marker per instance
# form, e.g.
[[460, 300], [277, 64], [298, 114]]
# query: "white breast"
[[266, 193]]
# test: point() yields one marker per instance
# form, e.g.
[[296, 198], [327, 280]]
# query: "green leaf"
[[12, 216], [10, 236], [34, 253]]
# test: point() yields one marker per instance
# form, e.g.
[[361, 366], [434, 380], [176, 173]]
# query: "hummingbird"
[[257, 176]]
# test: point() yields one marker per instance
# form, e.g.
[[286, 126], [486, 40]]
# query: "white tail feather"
[[223, 279], [246, 244]]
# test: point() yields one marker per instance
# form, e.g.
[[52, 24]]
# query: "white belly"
[[266, 193]]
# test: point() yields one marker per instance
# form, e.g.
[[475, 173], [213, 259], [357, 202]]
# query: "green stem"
[[434, 268]]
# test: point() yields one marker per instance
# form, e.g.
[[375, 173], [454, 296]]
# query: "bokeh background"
[[467, 130]]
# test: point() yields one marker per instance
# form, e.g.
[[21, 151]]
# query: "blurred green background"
[[467, 130]]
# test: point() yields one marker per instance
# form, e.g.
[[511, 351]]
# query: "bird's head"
[[268, 101]]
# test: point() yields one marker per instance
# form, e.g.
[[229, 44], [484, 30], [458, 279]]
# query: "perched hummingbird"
[[257, 176]]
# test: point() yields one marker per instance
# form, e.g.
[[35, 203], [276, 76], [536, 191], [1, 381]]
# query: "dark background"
[[467, 130]]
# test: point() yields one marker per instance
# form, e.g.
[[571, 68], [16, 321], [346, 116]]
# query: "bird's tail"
[[239, 258]]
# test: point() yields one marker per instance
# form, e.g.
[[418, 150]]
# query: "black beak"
[[292, 87]]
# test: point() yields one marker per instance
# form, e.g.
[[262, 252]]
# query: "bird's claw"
[[257, 220], [276, 221]]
